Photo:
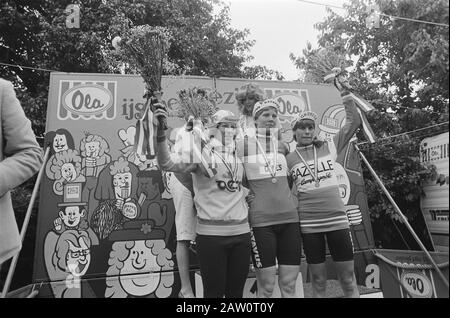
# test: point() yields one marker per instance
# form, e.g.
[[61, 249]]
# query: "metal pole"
[[23, 231], [403, 217]]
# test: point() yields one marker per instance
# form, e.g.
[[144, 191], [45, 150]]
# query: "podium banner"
[[409, 274]]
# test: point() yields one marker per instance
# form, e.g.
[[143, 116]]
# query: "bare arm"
[[181, 164], [352, 122], [22, 152], [169, 162]]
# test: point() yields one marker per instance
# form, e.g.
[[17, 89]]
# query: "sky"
[[279, 28]]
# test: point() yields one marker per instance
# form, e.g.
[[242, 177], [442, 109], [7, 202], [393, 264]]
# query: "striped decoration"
[[354, 216], [368, 132], [144, 143], [363, 107]]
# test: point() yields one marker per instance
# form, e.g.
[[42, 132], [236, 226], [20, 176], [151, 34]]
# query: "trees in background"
[[402, 68], [33, 33]]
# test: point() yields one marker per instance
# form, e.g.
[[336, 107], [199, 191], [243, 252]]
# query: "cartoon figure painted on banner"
[[168, 176], [333, 119], [94, 151], [67, 259], [140, 246], [59, 140], [72, 213], [53, 182], [64, 167], [153, 206], [141, 268], [71, 216], [127, 137], [117, 192], [167, 181]]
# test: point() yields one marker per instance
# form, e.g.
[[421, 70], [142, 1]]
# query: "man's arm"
[[23, 156]]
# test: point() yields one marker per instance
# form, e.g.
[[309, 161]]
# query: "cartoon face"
[[92, 149], [60, 143], [150, 189], [122, 185], [140, 261], [78, 258], [72, 216], [68, 171]]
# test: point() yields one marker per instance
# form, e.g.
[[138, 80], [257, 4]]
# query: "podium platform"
[[303, 290], [334, 290], [250, 286]]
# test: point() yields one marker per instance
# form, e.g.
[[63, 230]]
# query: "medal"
[[272, 169], [232, 170], [315, 174]]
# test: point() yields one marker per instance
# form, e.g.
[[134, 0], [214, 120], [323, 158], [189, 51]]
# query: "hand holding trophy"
[[328, 65], [339, 78]]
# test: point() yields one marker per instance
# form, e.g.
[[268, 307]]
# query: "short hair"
[[263, 105], [259, 112], [298, 122], [155, 176]]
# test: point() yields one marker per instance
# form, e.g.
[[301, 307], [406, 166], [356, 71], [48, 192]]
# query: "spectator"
[[20, 158]]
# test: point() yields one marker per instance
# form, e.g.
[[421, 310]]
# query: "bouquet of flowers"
[[325, 64], [195, 104], [144, 48], [328, 65]]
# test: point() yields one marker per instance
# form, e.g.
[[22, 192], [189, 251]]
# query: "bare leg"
[[183, 268], [287, 278], [346, 275], [266, 281], [318, 274]]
